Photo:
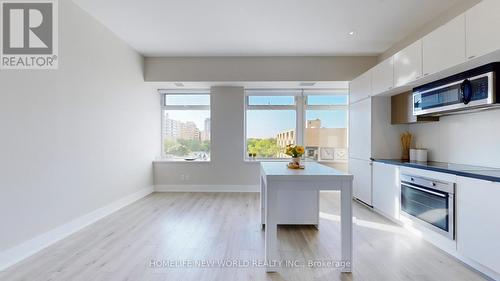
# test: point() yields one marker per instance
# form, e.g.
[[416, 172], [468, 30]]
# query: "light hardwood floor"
[[218, 226]]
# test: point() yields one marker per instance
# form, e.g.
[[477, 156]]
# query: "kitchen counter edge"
[[423, 166]]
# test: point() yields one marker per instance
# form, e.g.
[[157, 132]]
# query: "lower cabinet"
[[478, 222], [362, 182], [386, 189]]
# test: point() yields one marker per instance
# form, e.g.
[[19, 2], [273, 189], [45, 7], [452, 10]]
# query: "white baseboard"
[[17, 253], [207, 188]]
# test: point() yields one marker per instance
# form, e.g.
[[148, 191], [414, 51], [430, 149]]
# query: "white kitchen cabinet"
[[444, 47], [408, 64], [360, 88], [383, 76], [371, 134], [478, 230], [386, 189], [360, 124], [482, 25], [362, 181]]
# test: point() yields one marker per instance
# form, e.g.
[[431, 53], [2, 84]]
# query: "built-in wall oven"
[[429, 203]]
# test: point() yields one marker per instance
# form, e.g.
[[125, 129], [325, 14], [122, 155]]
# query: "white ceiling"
[[263, 27]]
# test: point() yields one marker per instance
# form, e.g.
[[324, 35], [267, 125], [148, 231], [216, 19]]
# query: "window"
[[318, 120], [326, 127], [270, 124], [186, 127]]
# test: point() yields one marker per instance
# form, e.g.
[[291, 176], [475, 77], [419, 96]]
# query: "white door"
[[383, 77], [445, 46], [360, 129], [482, 26], [386, 189], [360, 88], [362, 182], [408, 64], [478, 227]]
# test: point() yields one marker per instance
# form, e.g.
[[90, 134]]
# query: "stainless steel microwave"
[[471, 90]]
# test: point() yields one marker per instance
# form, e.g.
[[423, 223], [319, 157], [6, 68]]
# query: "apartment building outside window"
[[186, 126], [315, 119]]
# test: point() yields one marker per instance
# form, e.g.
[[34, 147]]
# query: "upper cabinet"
[[482, 25], [444, 47], [408, 64], [360, 87], [383, 76]]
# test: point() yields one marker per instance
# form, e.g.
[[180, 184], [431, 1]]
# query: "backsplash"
[[471, 138]]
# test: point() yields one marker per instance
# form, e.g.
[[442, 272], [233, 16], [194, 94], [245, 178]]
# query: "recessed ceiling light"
[[352, 33]]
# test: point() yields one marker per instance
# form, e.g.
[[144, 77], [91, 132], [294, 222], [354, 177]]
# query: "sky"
[[196, 116], [267, 123]]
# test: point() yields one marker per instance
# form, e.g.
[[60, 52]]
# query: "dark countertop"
[[477, 172]]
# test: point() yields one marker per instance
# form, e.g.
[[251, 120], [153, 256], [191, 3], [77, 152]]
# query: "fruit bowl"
[[295, 166]]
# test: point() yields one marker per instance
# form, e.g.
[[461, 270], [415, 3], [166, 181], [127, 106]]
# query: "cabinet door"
[[444, 47], [408, 64], [362, 181], [383, 76], [386, 190], [482, 25], [360, 124], [478, 230], [360, 87]]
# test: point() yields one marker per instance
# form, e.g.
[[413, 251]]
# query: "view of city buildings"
[[183, 139], [175, 129], [320, 143], [205, 134]]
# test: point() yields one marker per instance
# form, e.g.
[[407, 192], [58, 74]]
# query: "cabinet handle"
[[425, 74], [471, 57]]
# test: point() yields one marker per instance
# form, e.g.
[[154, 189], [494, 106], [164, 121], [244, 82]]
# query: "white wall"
[[256, 68], [77, 138], [471, 138], [227, 148]]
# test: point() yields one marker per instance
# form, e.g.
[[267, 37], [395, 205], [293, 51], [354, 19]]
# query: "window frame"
[[300, 106], [164, 106]]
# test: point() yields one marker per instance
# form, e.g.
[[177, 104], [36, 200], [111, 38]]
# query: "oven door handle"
[[424, 190]]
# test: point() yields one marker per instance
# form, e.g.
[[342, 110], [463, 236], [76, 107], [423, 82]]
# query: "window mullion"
[[299, 136]]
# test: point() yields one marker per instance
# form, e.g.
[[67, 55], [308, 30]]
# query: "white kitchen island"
[[278, 181]]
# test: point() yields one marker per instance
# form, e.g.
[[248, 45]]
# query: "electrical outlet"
[[184, 177]]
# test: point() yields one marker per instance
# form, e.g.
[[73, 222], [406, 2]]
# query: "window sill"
[[333, 161], [169, 161], [246, 160]]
